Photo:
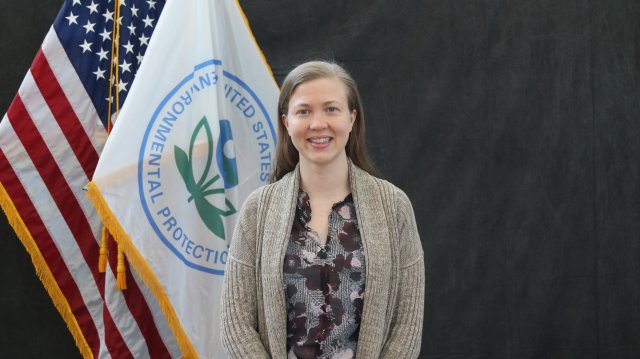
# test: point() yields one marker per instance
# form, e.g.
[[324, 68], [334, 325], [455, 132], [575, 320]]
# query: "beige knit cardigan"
[[254, 318]]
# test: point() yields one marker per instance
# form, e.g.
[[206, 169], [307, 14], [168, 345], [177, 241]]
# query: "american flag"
[[50, 141]]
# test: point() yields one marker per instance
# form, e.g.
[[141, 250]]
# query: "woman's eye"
[[302, 112], [332, 109]]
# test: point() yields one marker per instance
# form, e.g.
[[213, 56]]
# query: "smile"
[[320, 140]]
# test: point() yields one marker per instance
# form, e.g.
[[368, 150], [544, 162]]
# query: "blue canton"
[[85, 29]]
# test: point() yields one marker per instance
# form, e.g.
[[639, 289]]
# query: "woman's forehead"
[[322, 90]]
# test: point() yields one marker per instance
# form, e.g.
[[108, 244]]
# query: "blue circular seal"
[[192, 175]]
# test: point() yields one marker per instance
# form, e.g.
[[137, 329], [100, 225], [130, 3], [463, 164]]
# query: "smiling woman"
[[319, 122], [287, 154], [326, 261]]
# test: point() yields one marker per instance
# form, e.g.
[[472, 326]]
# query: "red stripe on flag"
[[59, 189], [55, 182], [139, 308], [64, 114], [52, 92], [50, 253], [113, 339]]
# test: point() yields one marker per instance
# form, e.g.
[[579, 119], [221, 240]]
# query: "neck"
[[328, 181]]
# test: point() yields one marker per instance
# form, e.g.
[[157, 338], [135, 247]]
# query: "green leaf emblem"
[[200, 190]]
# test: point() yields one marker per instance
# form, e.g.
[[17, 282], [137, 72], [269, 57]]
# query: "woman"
[[326, 261]]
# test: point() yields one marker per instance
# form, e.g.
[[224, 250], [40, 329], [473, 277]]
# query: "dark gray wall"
[[512, 125]]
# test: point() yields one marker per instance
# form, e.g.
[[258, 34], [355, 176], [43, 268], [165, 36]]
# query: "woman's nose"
[[318, 122]]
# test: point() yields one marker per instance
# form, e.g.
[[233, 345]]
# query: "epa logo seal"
[[192, 174]]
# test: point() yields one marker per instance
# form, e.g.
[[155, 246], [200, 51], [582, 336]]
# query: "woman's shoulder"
[[261, 193]]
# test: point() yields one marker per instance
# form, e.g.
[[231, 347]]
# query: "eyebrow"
[[300, 104]]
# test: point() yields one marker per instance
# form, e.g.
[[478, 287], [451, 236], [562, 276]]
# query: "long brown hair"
[[287, 156]]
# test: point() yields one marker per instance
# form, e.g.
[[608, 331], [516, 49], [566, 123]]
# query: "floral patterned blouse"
[[324, 285]]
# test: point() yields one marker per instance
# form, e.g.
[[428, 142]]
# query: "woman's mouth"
[[319, 140]]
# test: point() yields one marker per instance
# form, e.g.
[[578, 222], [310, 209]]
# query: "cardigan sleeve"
[[239, 311], [406, 327]]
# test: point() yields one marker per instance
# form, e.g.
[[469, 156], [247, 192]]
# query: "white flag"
[[195, 137]]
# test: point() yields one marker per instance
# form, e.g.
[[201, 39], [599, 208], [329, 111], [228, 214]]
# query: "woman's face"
[[319, 121]]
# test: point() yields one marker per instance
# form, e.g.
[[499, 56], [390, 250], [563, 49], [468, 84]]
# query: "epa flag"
[[195, 137]]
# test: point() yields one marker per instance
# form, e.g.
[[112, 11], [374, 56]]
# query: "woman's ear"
[[285, 122]]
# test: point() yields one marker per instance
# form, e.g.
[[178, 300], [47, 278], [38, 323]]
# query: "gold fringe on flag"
[[142, 269], [43, 272]]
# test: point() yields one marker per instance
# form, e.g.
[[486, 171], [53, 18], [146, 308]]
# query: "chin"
[[322, 160]]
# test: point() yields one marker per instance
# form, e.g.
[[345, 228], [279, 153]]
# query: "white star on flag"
[[99, 74], [143, 40], [108, 16], [122, 86], [105, 35], [93, 7], [125, 66], [128, 46], [102, 54], [89, 26], [148, 21], [72, 18], [86, 46]]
